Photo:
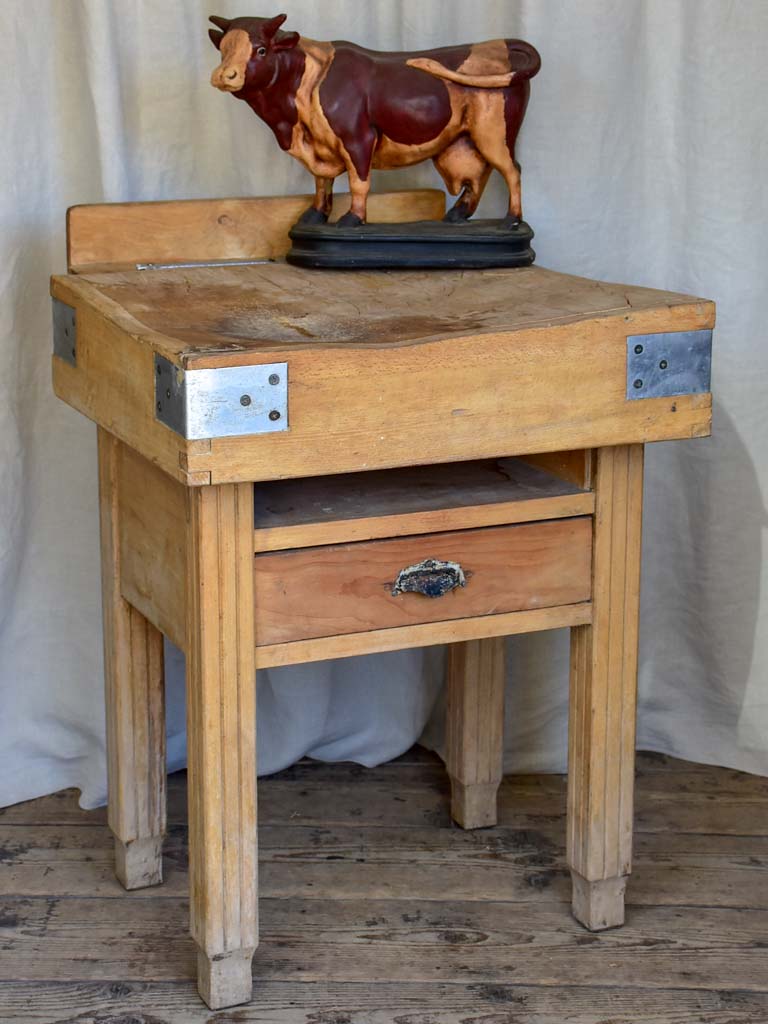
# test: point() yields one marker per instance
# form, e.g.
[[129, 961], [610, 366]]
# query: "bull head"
[[250, 49]]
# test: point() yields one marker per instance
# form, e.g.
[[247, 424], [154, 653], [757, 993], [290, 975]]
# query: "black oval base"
[[471, 245]]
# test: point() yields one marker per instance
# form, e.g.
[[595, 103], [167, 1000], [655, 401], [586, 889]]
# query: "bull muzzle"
[[235, 50], [228, 78]]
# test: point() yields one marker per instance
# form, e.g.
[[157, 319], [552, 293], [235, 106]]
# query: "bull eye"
[[261, 52]]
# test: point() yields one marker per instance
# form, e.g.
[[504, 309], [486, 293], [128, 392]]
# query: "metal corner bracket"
[[226, 401], [64, 332], [670, 364]]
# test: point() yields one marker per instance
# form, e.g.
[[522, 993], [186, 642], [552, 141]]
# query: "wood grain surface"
[[153, 557], [110, 234], [603, 694], [205, 316], [152, 537], [421, 499], [425, 634], [221, 740], [135, 698], [474, 729], [385, 369], [347, 588], [377, 911]]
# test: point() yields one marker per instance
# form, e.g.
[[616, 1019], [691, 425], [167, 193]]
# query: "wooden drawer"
[[347, 588]]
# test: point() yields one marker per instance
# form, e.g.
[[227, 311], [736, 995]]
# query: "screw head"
[[663, 364], [274, 379], [245, 400], [168, 393], [638, 350], [159, 372], [274, 415], [159, 407], [638, 384]]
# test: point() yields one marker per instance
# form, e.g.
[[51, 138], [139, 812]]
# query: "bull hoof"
[[313, 216], [511, 222], [350, 220], [458, 214]]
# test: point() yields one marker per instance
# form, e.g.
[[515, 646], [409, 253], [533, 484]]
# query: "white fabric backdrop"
[[645, 159]]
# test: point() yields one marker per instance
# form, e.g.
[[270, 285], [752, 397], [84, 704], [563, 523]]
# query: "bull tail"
[[523, 57], [433, 67]]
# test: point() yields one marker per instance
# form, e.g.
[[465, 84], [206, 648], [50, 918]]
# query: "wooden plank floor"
[[376, 910]]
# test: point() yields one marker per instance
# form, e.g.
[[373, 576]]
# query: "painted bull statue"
[[338, 108]]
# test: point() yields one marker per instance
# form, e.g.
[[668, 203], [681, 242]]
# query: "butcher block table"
[[297, 465]]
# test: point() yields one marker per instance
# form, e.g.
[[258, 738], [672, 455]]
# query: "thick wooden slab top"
[[384, 369], [230, 314]]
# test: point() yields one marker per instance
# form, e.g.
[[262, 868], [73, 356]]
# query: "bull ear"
[[269, 28], [287, 41], [215, 37]]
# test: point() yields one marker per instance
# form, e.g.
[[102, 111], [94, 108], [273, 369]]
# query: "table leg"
[[603, 698], [475, 729], [134, 691], [221, 694]]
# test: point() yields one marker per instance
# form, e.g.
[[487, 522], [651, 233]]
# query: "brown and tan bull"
[[338, 108]]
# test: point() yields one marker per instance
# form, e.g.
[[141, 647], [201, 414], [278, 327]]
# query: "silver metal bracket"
[[228, 401], [198, 264], [64, 332], [665, 365]]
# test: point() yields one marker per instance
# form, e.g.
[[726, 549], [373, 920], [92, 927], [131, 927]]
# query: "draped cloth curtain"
[[645, 159]]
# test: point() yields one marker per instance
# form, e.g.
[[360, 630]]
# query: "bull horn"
[[269, 28], [222, 23]]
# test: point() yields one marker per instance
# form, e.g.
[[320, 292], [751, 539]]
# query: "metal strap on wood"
[[669, 364], [228, 401]]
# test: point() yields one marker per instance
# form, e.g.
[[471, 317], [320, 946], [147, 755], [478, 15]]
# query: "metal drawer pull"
[[432, 578]]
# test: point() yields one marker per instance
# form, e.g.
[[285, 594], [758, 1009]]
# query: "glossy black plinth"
[[471, 245]]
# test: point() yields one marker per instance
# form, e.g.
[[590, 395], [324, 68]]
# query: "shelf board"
[[400, 502]]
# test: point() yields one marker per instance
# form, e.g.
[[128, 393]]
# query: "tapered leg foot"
[[135, 696], [225, 979], [475, 729], [599, 905], [139, 863], [603, 698], [221, 740], [474, 805]]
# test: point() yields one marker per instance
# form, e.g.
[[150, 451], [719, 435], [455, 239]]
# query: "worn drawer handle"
[[432, 578]]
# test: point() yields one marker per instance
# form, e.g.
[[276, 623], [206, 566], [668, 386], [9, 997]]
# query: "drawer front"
[[352, 588]]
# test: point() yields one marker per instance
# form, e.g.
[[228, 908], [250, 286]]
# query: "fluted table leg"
[[603, 698], [222, 740]]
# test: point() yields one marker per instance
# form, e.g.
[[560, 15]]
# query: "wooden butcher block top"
[[383, 368], [194, 315]]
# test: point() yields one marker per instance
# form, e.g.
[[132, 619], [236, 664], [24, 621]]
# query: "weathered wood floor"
[[376, 910]]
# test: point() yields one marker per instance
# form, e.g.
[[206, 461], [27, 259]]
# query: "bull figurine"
[[338, 108]]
